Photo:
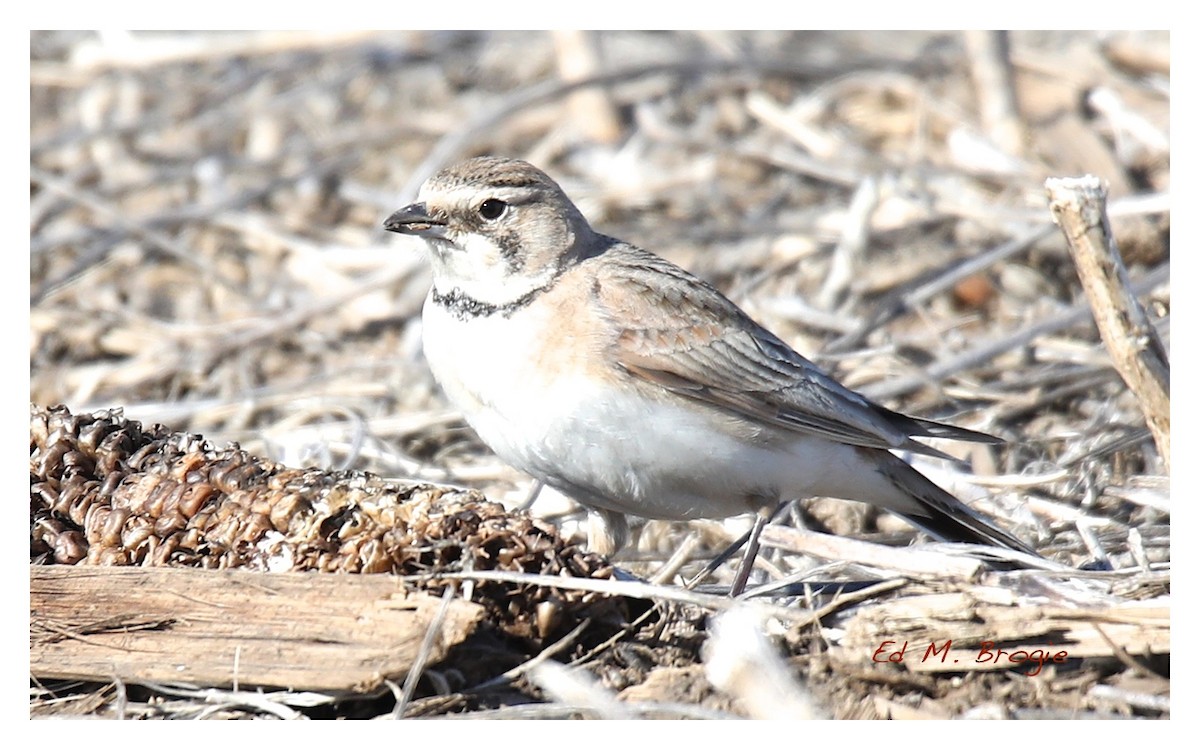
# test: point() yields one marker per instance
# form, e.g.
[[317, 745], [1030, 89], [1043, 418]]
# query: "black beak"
[[414, 219]]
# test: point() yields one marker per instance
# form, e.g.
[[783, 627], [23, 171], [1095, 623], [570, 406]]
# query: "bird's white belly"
[[610, 446]]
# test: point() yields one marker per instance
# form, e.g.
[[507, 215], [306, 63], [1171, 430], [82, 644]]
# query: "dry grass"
[[207, 253]]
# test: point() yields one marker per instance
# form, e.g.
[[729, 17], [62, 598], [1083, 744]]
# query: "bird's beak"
[[415, 219]]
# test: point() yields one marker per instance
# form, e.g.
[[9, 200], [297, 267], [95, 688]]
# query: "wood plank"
[[960, 632], [304, 631]]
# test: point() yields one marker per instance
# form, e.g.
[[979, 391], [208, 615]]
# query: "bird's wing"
[[685, 336]]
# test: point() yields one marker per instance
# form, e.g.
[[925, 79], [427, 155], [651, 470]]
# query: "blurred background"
[[207, 250]]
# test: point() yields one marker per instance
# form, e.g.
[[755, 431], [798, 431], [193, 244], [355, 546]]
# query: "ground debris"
[[207, 252]]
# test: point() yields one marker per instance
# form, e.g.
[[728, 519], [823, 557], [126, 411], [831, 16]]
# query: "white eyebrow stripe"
[[514, 195]]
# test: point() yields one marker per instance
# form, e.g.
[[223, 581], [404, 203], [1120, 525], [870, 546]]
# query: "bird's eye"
[[491, 208]]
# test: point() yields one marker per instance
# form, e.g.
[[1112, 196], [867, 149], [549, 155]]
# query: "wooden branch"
[[1078, 205], [991, 69], [592, 110], [303, 631]]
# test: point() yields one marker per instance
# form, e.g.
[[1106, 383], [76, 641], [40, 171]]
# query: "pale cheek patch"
[[477, 273], [480, 253]]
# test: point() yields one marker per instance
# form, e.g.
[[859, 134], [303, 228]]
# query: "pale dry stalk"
[[1078, 205]]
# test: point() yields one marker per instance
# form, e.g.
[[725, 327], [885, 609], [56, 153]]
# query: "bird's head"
[[496, 229]]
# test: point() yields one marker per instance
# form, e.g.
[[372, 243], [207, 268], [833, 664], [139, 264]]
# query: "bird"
[[637, 388]]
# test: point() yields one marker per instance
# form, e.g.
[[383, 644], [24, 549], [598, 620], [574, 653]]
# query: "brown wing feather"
[[691, 340]]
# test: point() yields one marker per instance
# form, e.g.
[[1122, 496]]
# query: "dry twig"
[[1132, 341]]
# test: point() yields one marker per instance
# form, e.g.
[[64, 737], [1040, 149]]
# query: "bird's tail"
[[943, 515]]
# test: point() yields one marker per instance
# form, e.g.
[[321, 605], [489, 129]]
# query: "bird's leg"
[[535, 490], [747, 563], [761, 519], [608, 531]]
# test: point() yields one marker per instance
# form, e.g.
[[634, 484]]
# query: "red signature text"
[[987, 653]]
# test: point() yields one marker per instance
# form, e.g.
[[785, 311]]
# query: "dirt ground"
[[207, 254]]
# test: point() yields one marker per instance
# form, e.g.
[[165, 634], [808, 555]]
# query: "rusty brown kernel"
[[157, 492], [110, 463], [91, 435], [47, 528], [75, 503], [139, 458], [51, 459], [134, 536], [224, 474], [224, 532], [194, 497], [70, 547], [257, 525], [169, 523], [98, 555], [113, 525], [202, 520], [163, 551], [246, 474], [77, 462], [152, 495], [189, 540], [109, 485], [261, 503], [284, 510], [190, 467], [46, 495]]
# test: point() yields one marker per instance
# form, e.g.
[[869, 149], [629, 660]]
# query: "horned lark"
[[634, 387]]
